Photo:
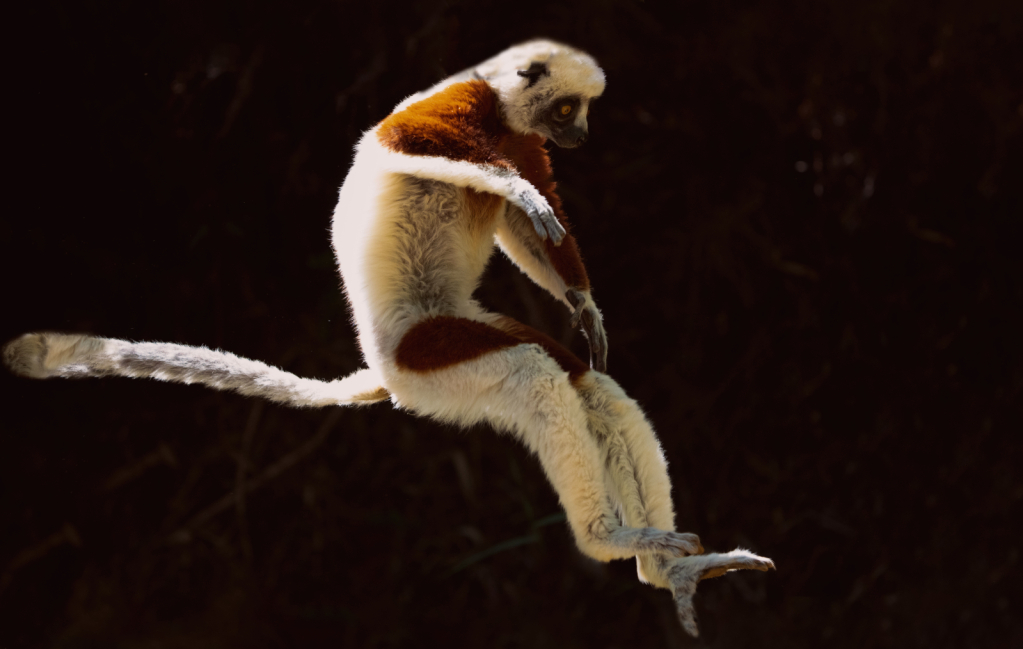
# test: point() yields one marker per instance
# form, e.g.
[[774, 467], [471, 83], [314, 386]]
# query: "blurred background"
[[802, 220]]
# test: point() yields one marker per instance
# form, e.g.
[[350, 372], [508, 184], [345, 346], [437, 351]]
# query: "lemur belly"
[[421, 256]]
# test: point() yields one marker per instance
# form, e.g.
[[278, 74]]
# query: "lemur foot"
[[678, 544], [650, 540], [685, 573]]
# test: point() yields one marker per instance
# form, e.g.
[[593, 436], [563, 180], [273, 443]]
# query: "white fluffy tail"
[[46, 355]]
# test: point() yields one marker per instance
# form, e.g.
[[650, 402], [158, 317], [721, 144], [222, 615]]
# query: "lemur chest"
[[438, 238]]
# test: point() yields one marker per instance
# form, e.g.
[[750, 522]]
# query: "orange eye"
[[566, 109]]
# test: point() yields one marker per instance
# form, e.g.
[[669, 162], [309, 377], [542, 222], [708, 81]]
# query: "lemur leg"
[[636, 468], [465, 371], [638, 472]]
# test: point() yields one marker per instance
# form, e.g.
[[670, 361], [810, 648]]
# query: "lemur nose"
[[581, 140]]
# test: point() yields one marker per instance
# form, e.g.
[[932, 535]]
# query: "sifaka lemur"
[[449, 173]]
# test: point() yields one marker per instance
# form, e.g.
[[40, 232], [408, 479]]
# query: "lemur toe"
[[685, 544], [685, 608]]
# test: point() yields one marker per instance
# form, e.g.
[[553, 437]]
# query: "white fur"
[[46, 355], [572, 72]]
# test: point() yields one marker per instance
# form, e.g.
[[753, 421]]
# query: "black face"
[[561, 121]]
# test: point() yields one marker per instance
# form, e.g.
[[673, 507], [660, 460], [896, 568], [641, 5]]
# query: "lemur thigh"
[[465, 371], [635, 466]]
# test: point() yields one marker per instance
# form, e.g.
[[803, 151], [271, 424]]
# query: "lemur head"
[[545, 88]]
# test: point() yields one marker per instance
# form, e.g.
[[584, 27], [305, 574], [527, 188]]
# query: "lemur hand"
[[586, 313], [541, 214]]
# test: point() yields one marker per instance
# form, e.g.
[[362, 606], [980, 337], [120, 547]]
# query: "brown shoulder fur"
[[458, 123]]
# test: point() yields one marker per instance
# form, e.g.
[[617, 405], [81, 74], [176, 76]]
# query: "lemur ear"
[[535, 71]]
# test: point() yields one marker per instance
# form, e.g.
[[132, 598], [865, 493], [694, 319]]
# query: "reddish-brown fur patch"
[[566, 359], [533, 163], [459, 123], [444, 341]]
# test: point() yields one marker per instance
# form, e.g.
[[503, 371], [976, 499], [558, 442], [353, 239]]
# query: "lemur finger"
[[682, 591], [546, 225], [597, 338], [540, 213], [577, 299], [600, 361], [554, 228], [576, 317], [534, 217], [683, 578]]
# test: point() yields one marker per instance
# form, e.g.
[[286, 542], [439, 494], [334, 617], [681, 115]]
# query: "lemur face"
[[564, 121], [545, 88]]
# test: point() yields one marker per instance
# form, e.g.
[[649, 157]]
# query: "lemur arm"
[[559, 269], [455, 136], [507, 184]]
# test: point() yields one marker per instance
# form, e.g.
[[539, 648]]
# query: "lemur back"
[[452, 173]]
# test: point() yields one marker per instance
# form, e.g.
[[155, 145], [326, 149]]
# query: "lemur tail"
[[45, 355]]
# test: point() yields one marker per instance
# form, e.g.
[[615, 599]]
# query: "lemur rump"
[[452, 171]]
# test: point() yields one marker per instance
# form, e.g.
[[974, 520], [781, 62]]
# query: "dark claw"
[[576, 317], [547, 226], [554, 229], [688, 544], [538, 226], [592, 328], [597, 339]]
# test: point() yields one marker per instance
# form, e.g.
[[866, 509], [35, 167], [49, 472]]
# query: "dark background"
[[802, 223]]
